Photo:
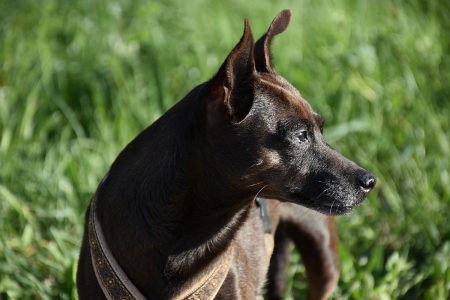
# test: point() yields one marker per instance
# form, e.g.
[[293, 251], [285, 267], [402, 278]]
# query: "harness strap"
[[113, 281], [208, 288], [116, 285]]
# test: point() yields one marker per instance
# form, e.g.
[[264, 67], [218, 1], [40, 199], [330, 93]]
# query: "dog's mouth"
[[331, 201], [332, 194], [334, 209]]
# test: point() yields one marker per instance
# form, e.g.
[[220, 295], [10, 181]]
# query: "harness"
[[115, 284]]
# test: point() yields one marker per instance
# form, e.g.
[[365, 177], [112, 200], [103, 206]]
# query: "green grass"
[[79, 79]]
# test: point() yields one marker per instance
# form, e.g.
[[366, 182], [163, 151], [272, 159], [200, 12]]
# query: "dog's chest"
[[253, 249]]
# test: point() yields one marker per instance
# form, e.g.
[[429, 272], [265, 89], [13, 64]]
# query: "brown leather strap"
[[115, 284], [208, 285], [112, 279]]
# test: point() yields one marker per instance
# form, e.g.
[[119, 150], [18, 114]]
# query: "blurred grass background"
[[79, 79]]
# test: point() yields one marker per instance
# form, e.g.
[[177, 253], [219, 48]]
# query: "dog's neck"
[[163, 201]]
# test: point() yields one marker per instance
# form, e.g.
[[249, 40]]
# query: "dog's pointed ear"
[[234, 79], [262, 46]]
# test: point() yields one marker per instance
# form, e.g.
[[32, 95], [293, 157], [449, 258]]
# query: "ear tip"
[[281, 22], [286, 13], [247, 28], [247, 24]]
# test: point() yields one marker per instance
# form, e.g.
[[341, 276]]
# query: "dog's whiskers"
[[331, 208], [261, 190], [254, 184], [321, 193]]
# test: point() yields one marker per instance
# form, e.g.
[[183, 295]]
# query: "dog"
[[182, 212]]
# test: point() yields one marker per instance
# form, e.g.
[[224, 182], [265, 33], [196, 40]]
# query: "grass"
[[79, 79]]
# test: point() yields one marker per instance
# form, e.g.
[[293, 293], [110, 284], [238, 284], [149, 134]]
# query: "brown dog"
[[175, 218]]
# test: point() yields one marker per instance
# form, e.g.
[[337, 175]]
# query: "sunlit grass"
[[78, 80]]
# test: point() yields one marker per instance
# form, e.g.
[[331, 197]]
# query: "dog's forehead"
[[288, 96]]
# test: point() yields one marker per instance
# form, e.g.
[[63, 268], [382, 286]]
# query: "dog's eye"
[[302, 135]]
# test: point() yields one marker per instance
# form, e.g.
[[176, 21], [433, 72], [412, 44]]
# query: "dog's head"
[[268, 138]]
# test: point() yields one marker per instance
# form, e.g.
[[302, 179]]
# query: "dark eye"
[[302, 135]]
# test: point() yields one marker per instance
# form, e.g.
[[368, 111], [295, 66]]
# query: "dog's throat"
[[203, 240]]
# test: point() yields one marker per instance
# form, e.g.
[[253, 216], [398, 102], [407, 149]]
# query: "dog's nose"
[[367, 181]]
